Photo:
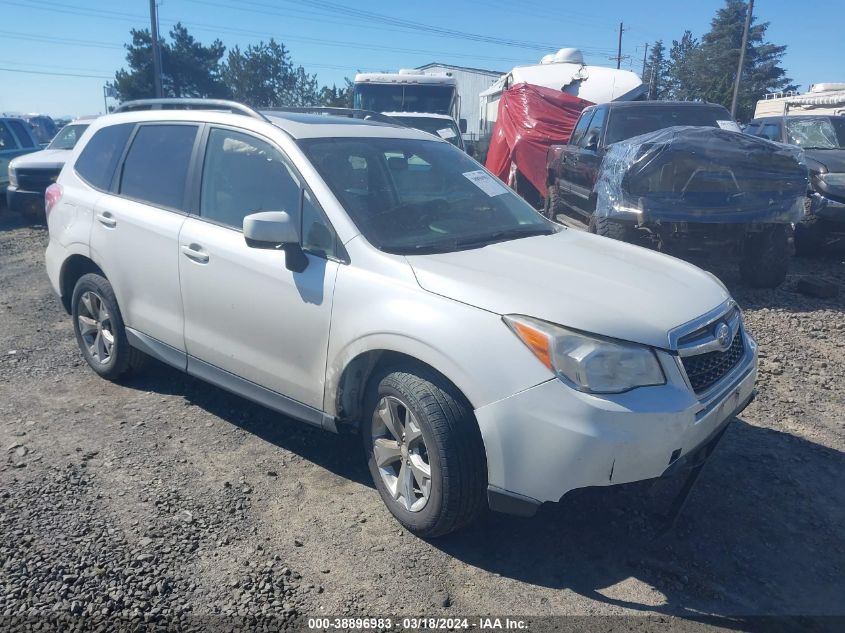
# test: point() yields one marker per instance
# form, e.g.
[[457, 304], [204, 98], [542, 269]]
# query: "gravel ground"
[[166, 499]]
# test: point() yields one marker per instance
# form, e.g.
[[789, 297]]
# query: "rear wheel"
[[765, 257], [424, 452], [99, 329]]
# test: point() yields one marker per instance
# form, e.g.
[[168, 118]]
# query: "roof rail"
[[189, 104], [351, 113]]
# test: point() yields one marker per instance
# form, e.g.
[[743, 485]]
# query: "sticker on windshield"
[[728, 125], [485, 182], [446, 133]]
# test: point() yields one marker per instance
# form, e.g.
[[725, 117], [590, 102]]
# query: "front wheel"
[[765, 257], [425, 452], [611, 228]]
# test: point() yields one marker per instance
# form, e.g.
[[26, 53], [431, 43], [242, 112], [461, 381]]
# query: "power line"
[[44, 72]]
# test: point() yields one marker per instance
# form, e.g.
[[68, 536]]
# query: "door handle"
[[195, 253], [106, 219]]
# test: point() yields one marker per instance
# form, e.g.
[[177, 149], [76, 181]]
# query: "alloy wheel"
[[95, 326], [401, 454]]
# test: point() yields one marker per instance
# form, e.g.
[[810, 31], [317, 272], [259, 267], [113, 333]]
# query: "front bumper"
[[826, 208], [550, 439], [27, 202]]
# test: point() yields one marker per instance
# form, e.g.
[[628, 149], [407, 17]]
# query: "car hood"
[[45, 159], [578, 280]]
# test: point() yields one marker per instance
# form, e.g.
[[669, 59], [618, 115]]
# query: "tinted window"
[[627, 122], [7, 141], [97, 162], [24, 136], [156, 166], [595, 128], [581, 127], [770, 131], [244, 175]]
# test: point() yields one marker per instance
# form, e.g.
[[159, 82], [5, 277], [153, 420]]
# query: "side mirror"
[[272, 230], [592, 141], [462, 125], [269, 229]]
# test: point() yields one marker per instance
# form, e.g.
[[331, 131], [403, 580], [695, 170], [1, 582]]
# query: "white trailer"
[[823, 98]]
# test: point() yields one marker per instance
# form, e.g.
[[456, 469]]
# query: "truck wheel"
[[612, 229], [425, 452], [765, 257], [99, 329], [553, 205], [809, 237]]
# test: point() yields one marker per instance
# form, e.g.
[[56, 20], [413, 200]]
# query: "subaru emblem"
[[723, 335]]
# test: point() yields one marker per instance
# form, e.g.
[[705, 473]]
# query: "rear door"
[[135, 232], [246, 313], [584, 171], [570, 155]]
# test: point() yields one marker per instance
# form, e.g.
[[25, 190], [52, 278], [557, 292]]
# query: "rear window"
[[156, 166], [98, 160], [632, 121], [24, 137]]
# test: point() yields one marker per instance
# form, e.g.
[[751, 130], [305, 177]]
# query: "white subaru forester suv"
[[367, 277]]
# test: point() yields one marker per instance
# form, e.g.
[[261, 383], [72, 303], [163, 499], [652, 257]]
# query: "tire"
[[612, 229], [765, 257], [436, 429], [96, 319], [553, 205]]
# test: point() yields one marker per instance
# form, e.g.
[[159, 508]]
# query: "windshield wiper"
[[505, 235]]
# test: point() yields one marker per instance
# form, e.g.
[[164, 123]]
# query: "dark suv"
[[681, 177], [822, 138]]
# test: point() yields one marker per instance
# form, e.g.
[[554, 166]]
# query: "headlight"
[[588, 363], [13, 176], [833, 180]]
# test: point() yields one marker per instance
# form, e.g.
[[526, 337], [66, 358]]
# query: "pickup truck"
[[680, 177]]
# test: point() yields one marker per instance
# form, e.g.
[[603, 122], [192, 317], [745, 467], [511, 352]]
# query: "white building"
[[471, 83]]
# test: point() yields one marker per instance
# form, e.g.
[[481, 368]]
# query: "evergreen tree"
[[680, 68], [654, 73], [335, 97], [716, 60], [189, 69], [264, 75]]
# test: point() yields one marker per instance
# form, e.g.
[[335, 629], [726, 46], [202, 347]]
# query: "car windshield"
[[404, 97], [817, 133], [444, 128], [68, 136], [412, 196], [628, 122]]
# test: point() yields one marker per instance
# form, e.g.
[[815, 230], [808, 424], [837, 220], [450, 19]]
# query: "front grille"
[[704, 370], [31, 179]]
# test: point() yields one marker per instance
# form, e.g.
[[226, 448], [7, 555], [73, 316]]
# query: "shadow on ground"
[[762, 533]]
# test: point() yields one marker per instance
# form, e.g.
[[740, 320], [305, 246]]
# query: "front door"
[[245, 312]]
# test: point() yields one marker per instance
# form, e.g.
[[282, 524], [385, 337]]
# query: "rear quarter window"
[[24, 137], [99, 157], [7, 141]]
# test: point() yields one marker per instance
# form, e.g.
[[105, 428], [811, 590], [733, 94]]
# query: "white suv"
[[367, 277]]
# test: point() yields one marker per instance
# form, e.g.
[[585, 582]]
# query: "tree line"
[[705, 69], [262, 75]]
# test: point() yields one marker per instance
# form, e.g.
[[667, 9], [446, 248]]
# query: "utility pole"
[[645, 56], [619, 49], [156, 51], [741, 57]]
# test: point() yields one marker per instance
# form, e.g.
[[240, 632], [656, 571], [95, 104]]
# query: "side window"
[[596, 126], [771, 131], [156, 166], [318, 237], [7, 141], [98, 160], [581, 127], [242, 175], [23, 134]]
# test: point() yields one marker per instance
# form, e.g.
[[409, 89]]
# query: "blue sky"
[[86, 37]]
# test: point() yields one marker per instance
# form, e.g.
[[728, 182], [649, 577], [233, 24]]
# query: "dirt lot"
[[167, 497]]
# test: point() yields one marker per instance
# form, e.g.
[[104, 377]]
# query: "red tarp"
[[531, 119]]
